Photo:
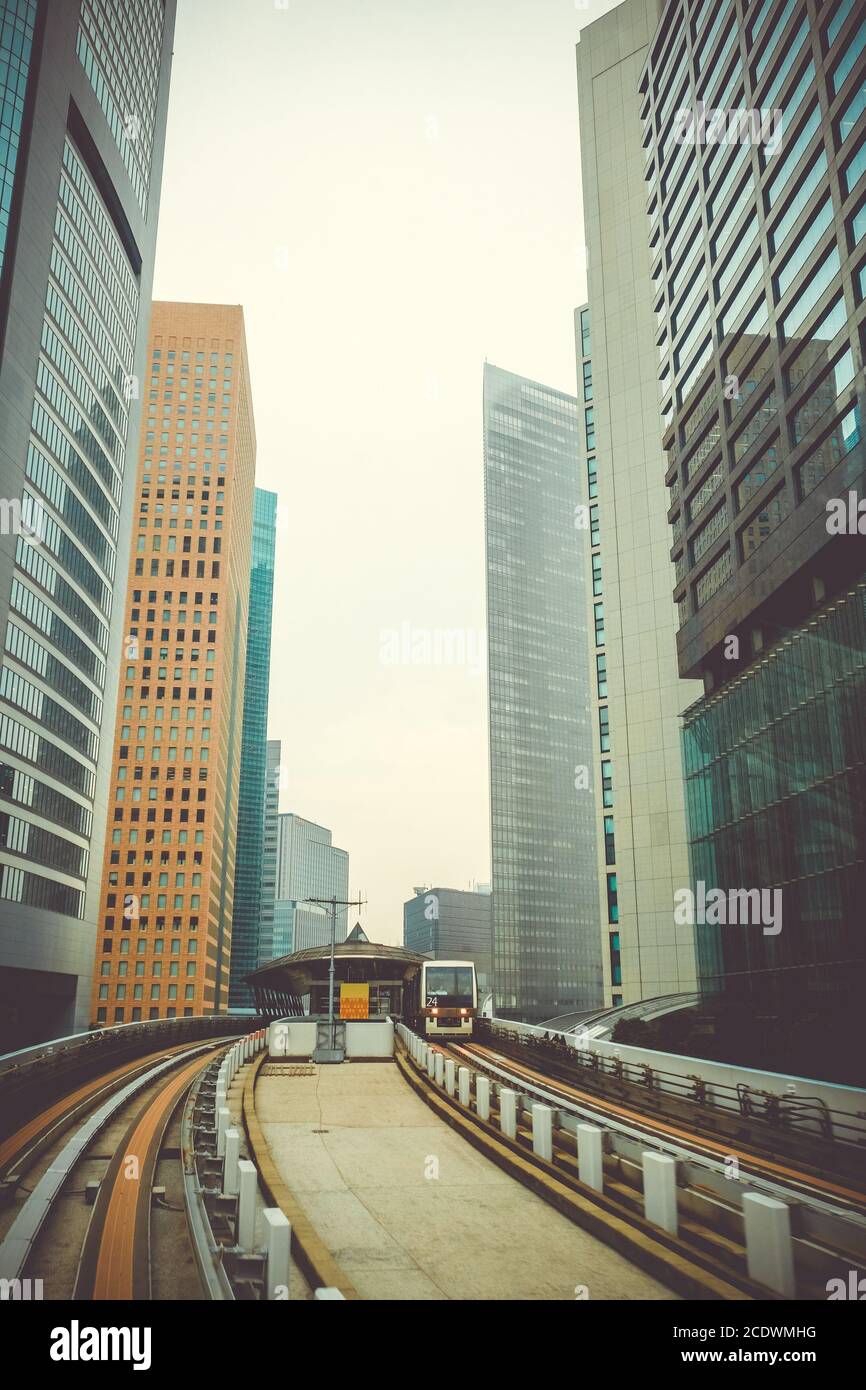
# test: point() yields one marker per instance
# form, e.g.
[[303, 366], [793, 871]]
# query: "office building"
[[638, 694], [82, 128], [308, 866], [758, 278], [270, 849], [167, 900], [248, 924], [546, 935], [452, 924]]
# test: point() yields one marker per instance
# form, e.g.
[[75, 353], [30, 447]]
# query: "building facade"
[[308, 866], [452, 924], [167, 897], [248, 925], [599, 696], [546, 937], [759, 273], [82, 130], [638, 692], [270, 849]]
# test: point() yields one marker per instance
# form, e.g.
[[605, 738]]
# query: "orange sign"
[[354, 1001]]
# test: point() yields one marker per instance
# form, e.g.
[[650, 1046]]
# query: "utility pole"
[[332, 1053]]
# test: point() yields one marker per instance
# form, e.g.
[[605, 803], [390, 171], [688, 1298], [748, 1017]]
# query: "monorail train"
[[444, 1000]]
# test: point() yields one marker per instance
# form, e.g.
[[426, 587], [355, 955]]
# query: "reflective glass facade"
[[546, 937], [776, 785], [452, 925], [77, 246], [17, 18], [759, 297], [249, 864]]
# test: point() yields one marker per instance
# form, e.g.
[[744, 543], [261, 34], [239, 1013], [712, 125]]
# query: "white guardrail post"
[[247, 1204], [542, 1132], [431, 1063], [464, 1079], [660, 1190], [590, 1160], [232, 1158], [508, 1113], [482, 1097], [278, 1240], [450, 1076], [439, 1069], [769, 1254]]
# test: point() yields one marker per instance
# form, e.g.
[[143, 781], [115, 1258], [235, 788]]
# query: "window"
[[601, 674], [604, 728], [606, 784], [612, 902], [609, 841]]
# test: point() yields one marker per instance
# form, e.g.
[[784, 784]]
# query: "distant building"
[[308, 866], [270, 847], [169, 866], [452, 924], [249, 862], [546, 933]]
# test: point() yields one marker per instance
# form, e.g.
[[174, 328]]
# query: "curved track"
[[753, 1162]]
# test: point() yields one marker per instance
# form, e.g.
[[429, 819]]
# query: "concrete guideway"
[[410, 1210]]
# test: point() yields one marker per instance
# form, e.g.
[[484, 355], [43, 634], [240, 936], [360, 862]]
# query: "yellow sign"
[[354, 1001]]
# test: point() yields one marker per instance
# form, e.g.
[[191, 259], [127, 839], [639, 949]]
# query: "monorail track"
[[752, 1158], [119, 1125]]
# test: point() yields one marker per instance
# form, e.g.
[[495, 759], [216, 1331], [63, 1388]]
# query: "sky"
[[391, 189]]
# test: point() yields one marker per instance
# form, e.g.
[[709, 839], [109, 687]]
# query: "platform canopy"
[[283, 983]]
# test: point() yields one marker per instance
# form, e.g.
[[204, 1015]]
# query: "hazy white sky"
[[390, 188]]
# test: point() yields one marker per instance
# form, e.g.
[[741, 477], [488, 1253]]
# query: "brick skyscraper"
[[167, 892]]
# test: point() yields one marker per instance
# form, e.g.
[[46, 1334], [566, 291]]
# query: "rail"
[[786, 1109]]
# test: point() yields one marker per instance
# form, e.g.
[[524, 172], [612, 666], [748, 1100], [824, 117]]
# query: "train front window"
[[448, 988]]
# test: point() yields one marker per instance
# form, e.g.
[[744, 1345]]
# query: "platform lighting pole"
[[333, 904]]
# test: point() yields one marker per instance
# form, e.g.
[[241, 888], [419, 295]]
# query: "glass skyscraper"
[[249, 863], [82, 127], [308, 866], [452, 924], [758, 247], [637, 687], [546, 936]]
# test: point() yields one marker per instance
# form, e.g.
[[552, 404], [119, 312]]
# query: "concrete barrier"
[[292, 1038], [482, 1097], [247, 1184], [450, 1076], [464, 1081], [590, 1161], [542, 1132], [439, 1068], [431, 1063], [660, 1190], [224, 1119], [508, 1113], [369, 1038], [231, 1160], [769, 1254], [278, 1241]]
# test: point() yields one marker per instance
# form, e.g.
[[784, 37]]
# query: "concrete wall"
[[370, 1039], [292, 1038]]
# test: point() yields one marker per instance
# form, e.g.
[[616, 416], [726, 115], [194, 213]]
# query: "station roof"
[[297, 972]]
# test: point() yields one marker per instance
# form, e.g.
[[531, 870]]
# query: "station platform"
[[409, 1210]]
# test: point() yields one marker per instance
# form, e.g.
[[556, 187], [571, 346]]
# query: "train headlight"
[[463, 1011], [434, 1012]]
